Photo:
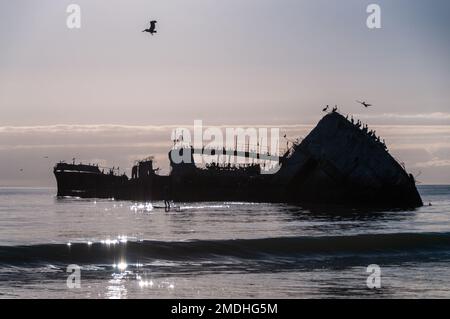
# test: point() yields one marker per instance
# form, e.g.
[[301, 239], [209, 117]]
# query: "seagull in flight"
[[152, 28], [365, 104]]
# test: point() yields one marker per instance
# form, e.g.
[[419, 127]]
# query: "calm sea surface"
[[201, 250]]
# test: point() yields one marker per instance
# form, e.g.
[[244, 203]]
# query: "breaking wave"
[[437, 244]]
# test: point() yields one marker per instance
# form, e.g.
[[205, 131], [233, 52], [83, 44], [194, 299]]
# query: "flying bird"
[[365, 104], [152, 28]]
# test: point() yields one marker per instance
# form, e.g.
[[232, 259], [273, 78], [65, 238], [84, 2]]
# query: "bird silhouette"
[[325, 109], [152, 28], [365, 104]]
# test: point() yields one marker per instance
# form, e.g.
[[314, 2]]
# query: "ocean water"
[[219, 250]]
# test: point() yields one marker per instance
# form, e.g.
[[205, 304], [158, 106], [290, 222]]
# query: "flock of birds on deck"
[[359, 125]]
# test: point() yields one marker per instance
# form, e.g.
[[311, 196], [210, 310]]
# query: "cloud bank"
[[425, 149]]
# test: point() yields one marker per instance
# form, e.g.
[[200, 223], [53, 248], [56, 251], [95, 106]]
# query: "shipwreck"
[[340, 163]]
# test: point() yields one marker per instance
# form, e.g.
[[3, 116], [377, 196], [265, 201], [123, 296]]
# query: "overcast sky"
[[108, 92]]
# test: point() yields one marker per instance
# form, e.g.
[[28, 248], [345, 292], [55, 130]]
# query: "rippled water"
[[198, 250]]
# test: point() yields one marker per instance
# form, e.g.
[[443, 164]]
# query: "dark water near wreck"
[[201, 250]]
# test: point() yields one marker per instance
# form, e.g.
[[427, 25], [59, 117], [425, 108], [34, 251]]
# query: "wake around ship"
[[339, 163]]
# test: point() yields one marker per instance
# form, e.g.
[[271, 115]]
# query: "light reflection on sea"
[[201, 250]]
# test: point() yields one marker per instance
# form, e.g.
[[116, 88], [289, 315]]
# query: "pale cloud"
[[437, 116], [79, 128], [96, 128], [75, 146], [429, 147], [436, 162], [417, 130]]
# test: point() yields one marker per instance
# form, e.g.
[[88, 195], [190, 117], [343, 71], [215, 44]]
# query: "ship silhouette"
[[339, 163]]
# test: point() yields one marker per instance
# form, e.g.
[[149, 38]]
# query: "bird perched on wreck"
[[326, 108], [152, 27], [365, 104]]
